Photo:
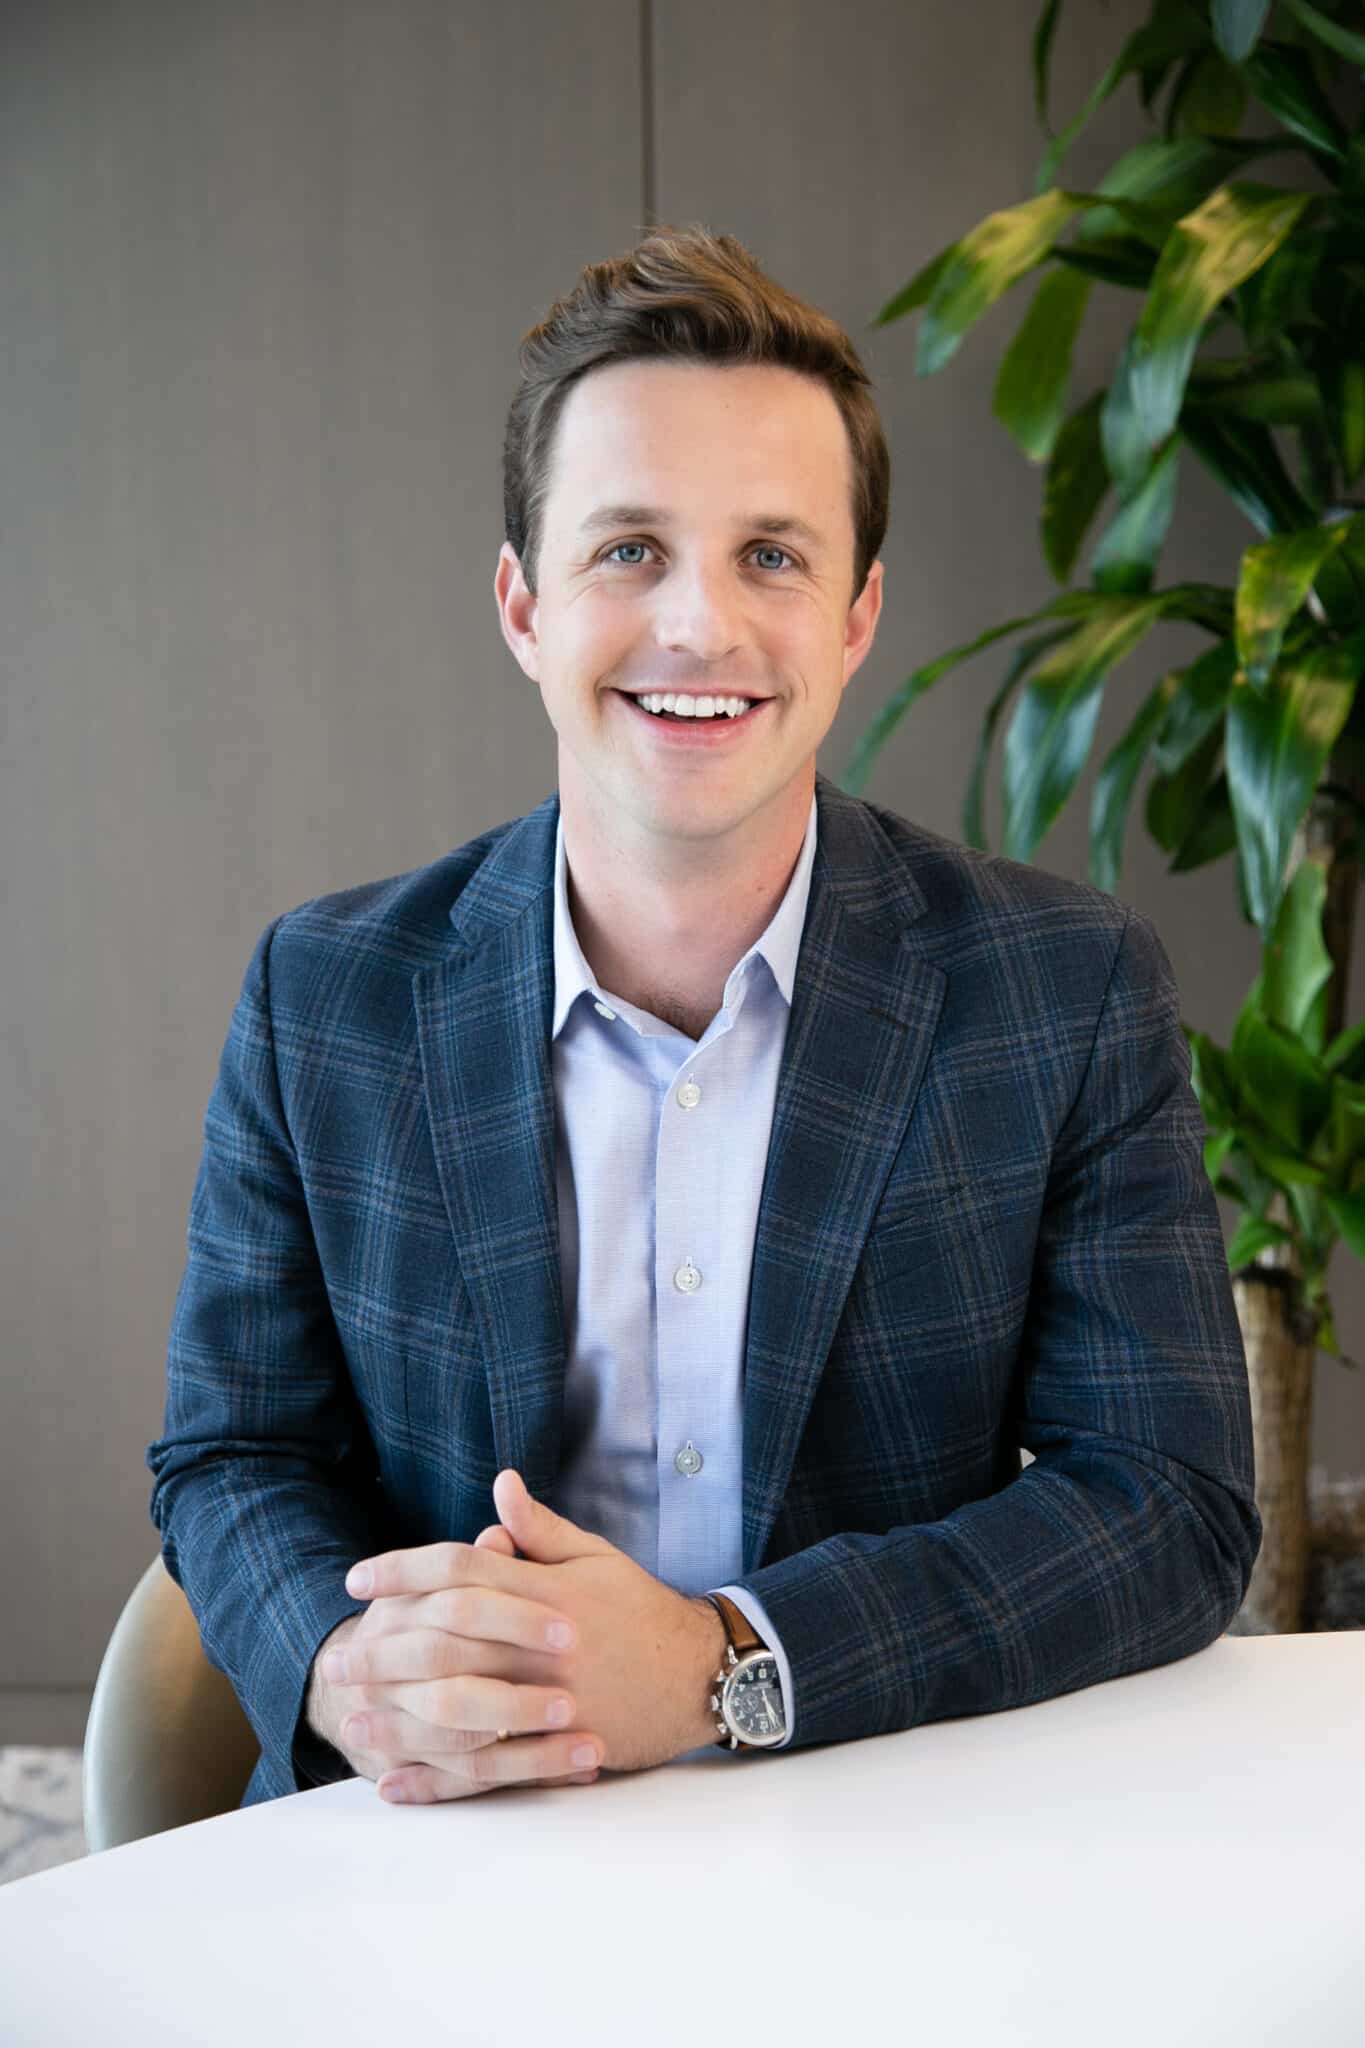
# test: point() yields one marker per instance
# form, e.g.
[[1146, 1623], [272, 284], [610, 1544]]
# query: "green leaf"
[[1113, 788], [1030, 389], [1278, 297], [1327, 1337], [1343, 40], [1174, 800], [1275, 578], [1282, 80], [991, 257], [1175, 35], [1213, 833], [919, 290], [1343, 1136], [1196, 708], [871, 741], [1054, 721], [1210, 98], [1074, 486], [1344, 1047], [1171, 178], [1224, 388], [1042, 60], [973, 813], [1215, 1082], [1343, 386], [1251, 1236], [1216, 1150], [1208, 253], [1284, 1169], [1125, 557], [1237, 24], [1124, 260], [1243, 458], [1348, 1213], [1281, 1083], [1298, 965], [1276, 743], [1200, 604]]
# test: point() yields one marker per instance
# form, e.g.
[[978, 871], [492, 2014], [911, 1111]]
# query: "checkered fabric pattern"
[[985, 1224]]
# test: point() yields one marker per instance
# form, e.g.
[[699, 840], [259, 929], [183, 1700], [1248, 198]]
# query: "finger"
[[495, 1537], [456, 1619], [489, 1616], [435, 1565], [474, 1700], [547, 1760], [454, 1700], [392, 1736]]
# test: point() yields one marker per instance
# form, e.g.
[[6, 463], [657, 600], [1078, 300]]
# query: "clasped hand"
[[454, 1647]]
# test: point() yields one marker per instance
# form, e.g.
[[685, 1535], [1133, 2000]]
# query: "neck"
[[662, 921]]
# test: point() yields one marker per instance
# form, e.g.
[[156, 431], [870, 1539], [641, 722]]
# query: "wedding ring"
[[502, 1735]]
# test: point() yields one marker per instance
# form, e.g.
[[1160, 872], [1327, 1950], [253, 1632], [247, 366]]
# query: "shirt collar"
[[779, 944]]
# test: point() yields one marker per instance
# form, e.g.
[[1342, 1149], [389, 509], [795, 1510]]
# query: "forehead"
[[670, 434]]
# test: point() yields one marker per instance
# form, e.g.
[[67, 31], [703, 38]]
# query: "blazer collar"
[[865, 1007]]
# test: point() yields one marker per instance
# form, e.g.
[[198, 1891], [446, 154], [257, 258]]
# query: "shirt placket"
[[690, 1309]]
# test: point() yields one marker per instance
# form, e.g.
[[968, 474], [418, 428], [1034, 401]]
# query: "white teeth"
[[696, 707]]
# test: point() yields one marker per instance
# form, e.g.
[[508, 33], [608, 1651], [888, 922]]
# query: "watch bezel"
[[729, 1683]]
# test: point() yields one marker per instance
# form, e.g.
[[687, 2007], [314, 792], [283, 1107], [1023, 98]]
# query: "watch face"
[[753, 1701]]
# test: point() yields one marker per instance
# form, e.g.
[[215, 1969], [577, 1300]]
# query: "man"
[[719, 1177]]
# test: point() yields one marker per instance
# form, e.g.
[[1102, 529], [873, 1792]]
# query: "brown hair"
[[689, 293]]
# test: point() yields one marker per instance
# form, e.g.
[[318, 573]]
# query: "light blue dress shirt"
[[661, 1144]]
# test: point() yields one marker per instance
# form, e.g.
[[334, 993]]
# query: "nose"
[[699, 614]]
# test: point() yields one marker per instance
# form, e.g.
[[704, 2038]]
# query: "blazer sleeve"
[[1130, 1539], [264, 1479]]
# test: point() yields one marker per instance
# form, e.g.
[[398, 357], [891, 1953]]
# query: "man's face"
[[695, 597]]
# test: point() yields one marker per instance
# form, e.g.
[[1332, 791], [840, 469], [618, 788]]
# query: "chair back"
[[167, 1741]]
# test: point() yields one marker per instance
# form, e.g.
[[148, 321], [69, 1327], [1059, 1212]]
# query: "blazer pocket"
[[905, 1208], [904, 1237]]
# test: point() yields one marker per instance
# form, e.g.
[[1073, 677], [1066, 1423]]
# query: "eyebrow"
[[652, 515]]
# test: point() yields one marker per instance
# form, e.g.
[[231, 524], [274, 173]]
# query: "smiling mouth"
[[653, 705]]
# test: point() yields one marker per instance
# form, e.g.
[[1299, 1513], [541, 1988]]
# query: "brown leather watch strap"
[[740, 1631]]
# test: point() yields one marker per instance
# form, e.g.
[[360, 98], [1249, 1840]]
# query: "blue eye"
[[767, 547]]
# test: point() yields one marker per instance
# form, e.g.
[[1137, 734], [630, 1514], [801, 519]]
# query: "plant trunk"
[[1278, 1333], [1280, 1355]]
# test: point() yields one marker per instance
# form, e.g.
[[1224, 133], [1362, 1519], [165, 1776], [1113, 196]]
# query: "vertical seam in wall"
[[647, 184]]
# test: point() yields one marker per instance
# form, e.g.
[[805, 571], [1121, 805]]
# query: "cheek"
[[598, 638]]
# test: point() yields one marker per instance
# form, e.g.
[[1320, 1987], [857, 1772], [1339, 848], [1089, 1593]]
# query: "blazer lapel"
[[483, 1025], [865, 1006]]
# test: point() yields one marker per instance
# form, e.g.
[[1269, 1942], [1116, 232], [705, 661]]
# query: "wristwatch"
[[747, 1701]]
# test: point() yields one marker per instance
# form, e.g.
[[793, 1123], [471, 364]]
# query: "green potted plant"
[[1257, 745]]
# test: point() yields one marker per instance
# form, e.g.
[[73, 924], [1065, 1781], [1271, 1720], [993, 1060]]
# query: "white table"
[[1176, 1857]]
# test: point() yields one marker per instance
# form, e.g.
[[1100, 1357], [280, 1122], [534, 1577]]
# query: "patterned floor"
[[40, 1810]]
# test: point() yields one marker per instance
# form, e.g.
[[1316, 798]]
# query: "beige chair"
[[167, 1741]]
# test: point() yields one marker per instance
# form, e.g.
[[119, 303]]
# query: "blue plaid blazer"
[[985, 1223]]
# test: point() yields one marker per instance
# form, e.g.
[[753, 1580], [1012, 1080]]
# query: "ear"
[[518, 612]]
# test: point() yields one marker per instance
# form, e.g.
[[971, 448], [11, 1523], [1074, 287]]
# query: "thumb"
[[538, 1532]]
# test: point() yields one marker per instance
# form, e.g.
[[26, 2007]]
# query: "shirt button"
[[689, 1461], [687, 1279], [603, 1011], [689, 1095]]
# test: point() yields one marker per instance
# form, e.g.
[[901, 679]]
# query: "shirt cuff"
[[751, 1607]]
